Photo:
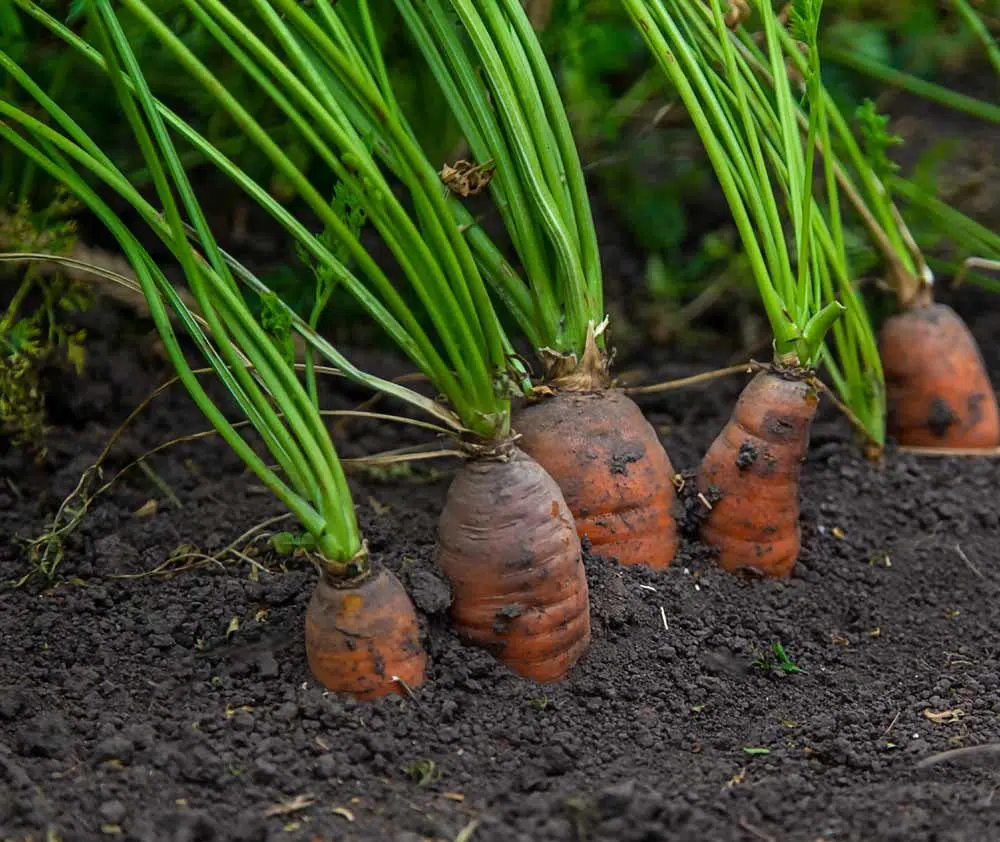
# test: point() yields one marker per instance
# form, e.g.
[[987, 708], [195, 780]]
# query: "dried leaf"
[[944, 716], [466, 178], [377, 507], [737, 779], [298, 802], [147, 509]]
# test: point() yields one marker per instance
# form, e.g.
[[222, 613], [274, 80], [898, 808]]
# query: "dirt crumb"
[[747, 455]]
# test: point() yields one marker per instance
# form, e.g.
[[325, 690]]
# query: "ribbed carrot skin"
[[612, 469], [937, 388], [362, 635], [754, 464], [508, 545]]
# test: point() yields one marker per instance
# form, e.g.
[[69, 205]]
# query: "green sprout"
[[423, 772], [776, 659]]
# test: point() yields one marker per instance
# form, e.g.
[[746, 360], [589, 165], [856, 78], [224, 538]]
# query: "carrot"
[[754, 465], [939, 394], [362, 635], [507, 543], [612, 469]]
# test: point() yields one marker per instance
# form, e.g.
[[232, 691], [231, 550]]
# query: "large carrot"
[[362, 635], [752, 471], [508, 545], [611, 466]]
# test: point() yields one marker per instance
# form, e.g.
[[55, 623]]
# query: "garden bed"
[[179, 707]]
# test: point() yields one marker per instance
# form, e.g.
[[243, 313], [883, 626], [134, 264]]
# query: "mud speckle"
[[693, 511], [624, 455], [940, 417], [747, 455], [502, 619], [524, 561]]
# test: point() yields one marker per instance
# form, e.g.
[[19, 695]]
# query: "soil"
[[153, 693]]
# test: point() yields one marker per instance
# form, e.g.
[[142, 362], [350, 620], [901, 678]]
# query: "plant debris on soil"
[[157, 689]]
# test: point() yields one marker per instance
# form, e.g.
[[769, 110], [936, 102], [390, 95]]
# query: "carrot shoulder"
[[612, 469], [507, 543], [362, 635], [752, 471], [937, 389]]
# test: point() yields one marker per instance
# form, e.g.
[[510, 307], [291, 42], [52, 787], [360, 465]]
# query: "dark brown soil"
[[134, 706]]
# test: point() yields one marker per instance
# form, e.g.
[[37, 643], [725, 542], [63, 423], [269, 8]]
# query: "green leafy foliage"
[[346, 204], [292, 543], [277, 324], [877, 139]]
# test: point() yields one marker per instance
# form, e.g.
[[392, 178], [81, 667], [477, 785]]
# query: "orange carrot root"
[[612, 469], [938, 392], [508, 545], [754, 464], [362, 635]]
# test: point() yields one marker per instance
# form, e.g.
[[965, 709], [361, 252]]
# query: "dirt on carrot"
[[612, 469], [937, 389], [508, 544], [363, 637], [750, 475]]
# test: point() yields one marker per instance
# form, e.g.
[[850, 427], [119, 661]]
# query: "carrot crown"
[[492, 71], [753, 141]]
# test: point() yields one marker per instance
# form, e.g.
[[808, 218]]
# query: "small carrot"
[[362, 635], [754, 466], [938, 392], [612, 469], [507, 543]]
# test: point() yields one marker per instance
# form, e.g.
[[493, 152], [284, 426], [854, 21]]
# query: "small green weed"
[[423, 772], [776, 660]]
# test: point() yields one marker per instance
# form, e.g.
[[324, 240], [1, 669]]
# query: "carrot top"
[[323, 72], [491, 69], [762, 163]]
